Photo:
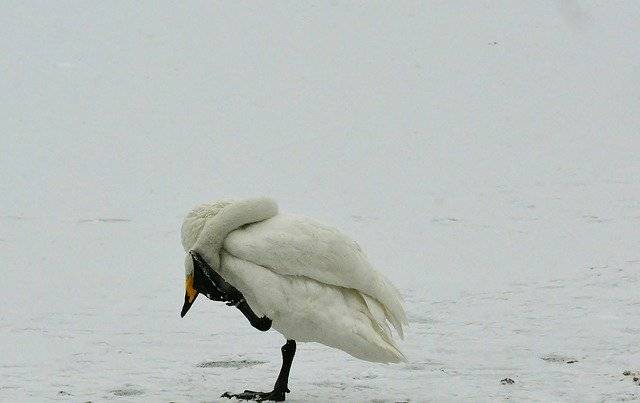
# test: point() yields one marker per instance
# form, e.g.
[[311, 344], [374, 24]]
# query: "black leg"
[[288, 351], [282, 383], [263, 324]]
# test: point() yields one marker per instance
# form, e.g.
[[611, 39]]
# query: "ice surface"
[[485, 155]]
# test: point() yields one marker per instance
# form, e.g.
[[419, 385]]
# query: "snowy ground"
[[485, 155]]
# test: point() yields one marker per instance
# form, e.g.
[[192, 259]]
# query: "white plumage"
[[312, 281]]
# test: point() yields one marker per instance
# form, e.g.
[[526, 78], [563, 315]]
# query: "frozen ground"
[[486, 155]]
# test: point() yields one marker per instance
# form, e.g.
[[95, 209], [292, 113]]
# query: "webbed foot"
[[274, 396]]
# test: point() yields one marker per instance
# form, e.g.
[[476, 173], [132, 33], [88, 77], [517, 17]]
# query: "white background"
[[485, 154]]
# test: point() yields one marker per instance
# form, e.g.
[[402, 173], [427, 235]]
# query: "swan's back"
[[299, 246]]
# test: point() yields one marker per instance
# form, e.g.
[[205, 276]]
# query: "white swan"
[[304, 279]]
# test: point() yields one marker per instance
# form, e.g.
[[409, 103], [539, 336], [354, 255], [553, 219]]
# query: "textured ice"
[[484, 155]]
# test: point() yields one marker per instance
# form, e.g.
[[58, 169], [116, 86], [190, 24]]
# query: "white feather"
[[311, 280]]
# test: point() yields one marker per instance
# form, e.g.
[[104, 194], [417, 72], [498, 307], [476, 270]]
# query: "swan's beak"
[[189, 296]]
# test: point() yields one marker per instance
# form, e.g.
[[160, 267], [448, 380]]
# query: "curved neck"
[[229, 219]]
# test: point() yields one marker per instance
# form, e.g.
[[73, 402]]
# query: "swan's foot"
[[274, 396], [280, 388]]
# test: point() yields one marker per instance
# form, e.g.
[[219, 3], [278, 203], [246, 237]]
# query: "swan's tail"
[[391, 300], [379, 316]]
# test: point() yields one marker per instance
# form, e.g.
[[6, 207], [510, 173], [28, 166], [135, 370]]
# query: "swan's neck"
[[229, 219]]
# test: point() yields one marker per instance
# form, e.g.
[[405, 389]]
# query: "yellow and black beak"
[[189, 296]]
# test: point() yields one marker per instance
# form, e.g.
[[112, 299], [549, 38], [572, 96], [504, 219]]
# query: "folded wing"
[[299, 246]]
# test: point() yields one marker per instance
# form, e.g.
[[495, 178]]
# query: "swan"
[[306, 280]]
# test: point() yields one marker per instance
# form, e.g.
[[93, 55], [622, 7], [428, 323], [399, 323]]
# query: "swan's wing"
[[299, 246]]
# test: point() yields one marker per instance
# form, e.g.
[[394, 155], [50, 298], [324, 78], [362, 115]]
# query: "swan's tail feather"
[[391, 301], [379, 317]]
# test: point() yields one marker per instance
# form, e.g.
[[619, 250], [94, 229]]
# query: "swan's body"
[[312, 282]]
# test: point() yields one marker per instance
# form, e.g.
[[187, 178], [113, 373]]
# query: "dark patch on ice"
[[14, 217], [362, 387], [621, 397], [64, 393], [445, 220], [420, 320], [230, 364], [104, 220], [422, 365], [633, 375], [127, 390], [332, 384], [445, 302], [552, 286], [507, 381], [559, 359], [524, 219], [414, 367], [595, 219]]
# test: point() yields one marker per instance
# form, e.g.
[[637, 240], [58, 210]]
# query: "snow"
[[485, 155]]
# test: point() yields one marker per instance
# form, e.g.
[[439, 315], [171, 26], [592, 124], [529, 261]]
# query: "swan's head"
[[194, 222], [196, 279]]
